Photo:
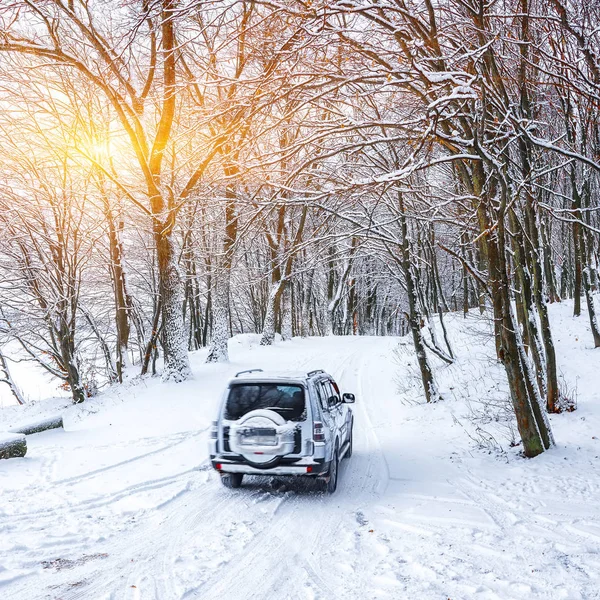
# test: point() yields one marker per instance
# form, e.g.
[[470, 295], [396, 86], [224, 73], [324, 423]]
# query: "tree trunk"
[[220, 313], [526, 302], [286, 312], [577, 268], [121, 298], [465, 275], [351, 307], [220, 299], [513, 357], [532, 424], [176, 361], [305, 318], [67, 349], [550, 276], [40, 425], [534, 242], [331, 305], [151, 344], [5, 377], [12, 445], [429, 386], [589, 296], [536, 259], [268, 336]]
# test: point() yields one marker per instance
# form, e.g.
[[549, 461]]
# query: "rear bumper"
[[303, 467]]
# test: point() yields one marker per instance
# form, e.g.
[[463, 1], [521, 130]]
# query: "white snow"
[[433, 504]]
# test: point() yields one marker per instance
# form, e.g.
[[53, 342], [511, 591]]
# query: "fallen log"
[[54, 422], [12, 445]]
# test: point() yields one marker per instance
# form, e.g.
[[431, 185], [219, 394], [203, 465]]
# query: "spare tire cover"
[[255, 418]]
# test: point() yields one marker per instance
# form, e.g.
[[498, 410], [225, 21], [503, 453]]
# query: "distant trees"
[[45, 251]]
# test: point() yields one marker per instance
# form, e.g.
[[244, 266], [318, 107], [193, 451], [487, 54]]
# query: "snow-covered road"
[[178, 533], [122, 504]]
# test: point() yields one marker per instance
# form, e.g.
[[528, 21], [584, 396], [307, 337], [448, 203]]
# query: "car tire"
[[232, 480], [350, 442], [330, 484]]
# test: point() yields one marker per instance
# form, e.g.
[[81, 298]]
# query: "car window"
[[326, 390], [335, 387], [326, 393], [285, 400], [335, 391], [329, 391], [322, 393]]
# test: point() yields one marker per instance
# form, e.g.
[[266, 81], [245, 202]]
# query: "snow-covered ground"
[[433, 504]]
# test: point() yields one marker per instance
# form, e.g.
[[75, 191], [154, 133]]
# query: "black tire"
[[350, 442], [330, 485], [232, 480]]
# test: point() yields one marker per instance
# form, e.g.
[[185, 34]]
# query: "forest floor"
[[434, 503]]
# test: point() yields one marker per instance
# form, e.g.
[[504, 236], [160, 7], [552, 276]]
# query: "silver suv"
[[282, 424]]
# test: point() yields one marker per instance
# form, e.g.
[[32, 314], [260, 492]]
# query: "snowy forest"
[[176, 172]]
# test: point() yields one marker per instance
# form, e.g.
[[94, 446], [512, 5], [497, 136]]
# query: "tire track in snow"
[[103, 500], [188, 435], [370, 480]]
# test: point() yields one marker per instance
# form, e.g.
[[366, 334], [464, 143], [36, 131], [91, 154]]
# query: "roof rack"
[[315, 372], [248, 371]]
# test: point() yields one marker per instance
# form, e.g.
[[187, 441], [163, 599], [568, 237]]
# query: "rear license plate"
[[259, 436], [259, 440]]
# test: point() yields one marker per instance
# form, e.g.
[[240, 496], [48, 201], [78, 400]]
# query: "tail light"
[[318, 432], [214, 430]]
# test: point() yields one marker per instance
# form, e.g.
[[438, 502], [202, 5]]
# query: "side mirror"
[[349, 398], [333, 400]]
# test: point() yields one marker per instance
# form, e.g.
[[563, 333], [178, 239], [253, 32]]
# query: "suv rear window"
[[285, 400]]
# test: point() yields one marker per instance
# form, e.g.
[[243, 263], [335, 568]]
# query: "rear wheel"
[[232, 480], [349, 450], [330, 484]]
